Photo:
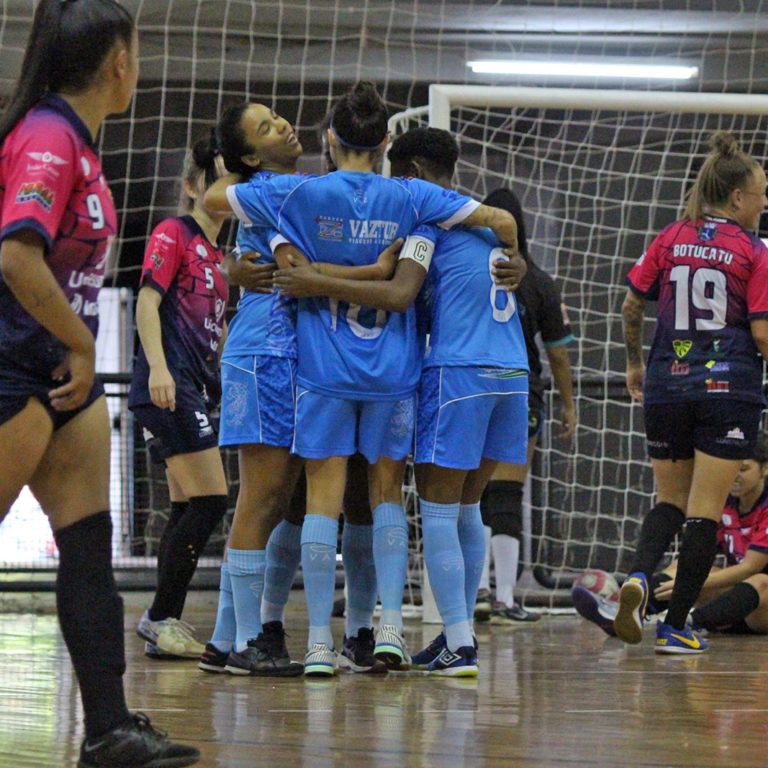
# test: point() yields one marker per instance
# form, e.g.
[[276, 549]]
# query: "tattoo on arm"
[[632, 316]]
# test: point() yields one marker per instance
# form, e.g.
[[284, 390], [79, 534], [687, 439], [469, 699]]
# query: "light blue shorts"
[[331, 426], [467, 413], [257, 400]]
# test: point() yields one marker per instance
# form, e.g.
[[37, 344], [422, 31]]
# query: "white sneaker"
[[390, 647], [172, 637], [321, 661]]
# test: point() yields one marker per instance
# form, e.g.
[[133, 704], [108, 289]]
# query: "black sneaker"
[[213, 660], [357, 653], [266, 656], [136, 744], [516, 614]]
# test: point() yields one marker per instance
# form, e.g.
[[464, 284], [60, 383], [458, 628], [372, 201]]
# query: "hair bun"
[[364, 98], [204, 151], [724, 143]]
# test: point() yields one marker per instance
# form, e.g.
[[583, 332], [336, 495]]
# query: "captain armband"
[[418, 249]]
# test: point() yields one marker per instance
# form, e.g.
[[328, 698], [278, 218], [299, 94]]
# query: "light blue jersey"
[[264, 324], [472, 321], [348, 218]]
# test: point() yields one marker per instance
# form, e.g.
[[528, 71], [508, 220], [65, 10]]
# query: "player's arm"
[[500, 221], [245, 272], [22, 261], [632, 314], [223, 340], [759, 328], [394, 295], [162, 387], [753, 562], [216, 195], [560, 365]]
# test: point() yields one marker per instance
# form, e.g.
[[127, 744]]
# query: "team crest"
[[708, 231], [329, 229], [682, 347], [157, 260]]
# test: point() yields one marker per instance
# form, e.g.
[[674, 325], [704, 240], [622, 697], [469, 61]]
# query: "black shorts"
[[188, 429], [726, 429], [14, 398]]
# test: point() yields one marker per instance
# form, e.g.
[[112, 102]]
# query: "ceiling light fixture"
[[584, 69]]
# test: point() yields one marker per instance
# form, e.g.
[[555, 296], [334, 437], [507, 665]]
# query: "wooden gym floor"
[[557, 693]]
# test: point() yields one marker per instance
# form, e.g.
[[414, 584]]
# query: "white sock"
[[506, 553], [485, 579]]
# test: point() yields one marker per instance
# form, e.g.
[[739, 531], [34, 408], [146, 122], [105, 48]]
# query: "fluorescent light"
[[584, 69]]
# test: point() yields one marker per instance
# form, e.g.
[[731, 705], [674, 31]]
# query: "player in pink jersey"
[[57, 221], [176, 385], [702, 392]]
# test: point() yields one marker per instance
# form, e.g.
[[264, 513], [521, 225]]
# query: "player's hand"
[[246, 273], [387, 260], [635, 376], [79, 370], [664, 590], [508, 273], [290, 253], [299, 282], [162, 388], [568, 422]]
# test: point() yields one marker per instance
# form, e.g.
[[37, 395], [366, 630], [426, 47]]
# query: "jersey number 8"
[[506, 312]]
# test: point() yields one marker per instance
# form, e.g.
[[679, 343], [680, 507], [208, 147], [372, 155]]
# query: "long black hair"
[[231, 140], [360, 118], [67, 45]]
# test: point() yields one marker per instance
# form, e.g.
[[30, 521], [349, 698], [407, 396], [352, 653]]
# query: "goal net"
[[598, 174]]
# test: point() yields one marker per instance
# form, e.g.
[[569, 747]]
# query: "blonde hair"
[[725, 169]]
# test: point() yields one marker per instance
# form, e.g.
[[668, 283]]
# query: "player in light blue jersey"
[[358, 368], [472, 403]]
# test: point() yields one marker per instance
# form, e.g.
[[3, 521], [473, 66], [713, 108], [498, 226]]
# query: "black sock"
[[697, 553], [91, 617], [185, 545], [178, 509], [658, 530], [732, 607], [502, 507]]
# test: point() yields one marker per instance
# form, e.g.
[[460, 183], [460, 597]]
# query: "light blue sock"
[[445, 566], [246, 570], [472, 539], [318, 562], [360, 574], [224, 631], [283, 558], [390, 554]]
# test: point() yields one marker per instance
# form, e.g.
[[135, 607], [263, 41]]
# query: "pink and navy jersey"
[[710, 278], [741, 532], [51, 183], [182, 265]]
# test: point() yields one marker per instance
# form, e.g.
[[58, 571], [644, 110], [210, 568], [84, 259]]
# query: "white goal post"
[[599, 173]]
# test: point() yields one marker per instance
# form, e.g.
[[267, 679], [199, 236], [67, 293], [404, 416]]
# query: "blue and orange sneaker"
[[459, 663], [681, 641], [596, 609], [633, 607]]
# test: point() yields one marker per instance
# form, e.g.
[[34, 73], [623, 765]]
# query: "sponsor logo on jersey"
[[682, 347], [717, 386], [735, 434], [36, 192], [717, 367], [376, 230], [329, 229], [45, 162], [708, 231], [157, 260], [727, 520], [202, 251], [680, 369], [360, 197], [163, 238]]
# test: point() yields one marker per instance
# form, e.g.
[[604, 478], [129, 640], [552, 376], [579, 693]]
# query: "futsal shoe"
[[151, 651], [138, 745], [171, 636], [426, 656], [596, 609], [633, 605], [390, 648], [483, 605], [514, 614], [265, 656], [459, 663], [320, 661], [678, 641], [213, 660], [357, 654]]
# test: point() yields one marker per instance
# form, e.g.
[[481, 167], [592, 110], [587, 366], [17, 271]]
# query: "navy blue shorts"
[[726, 429], [188, 429], [14, 397]]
